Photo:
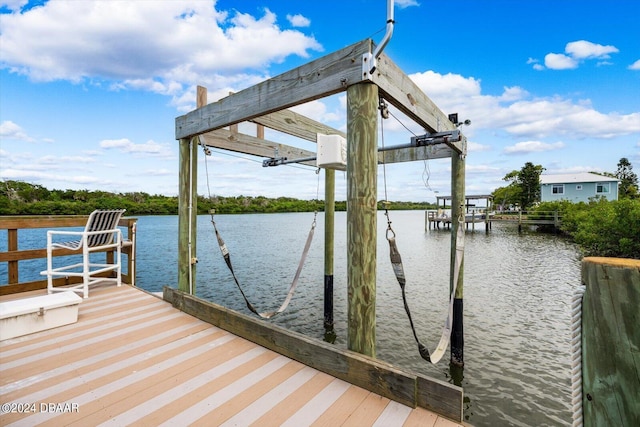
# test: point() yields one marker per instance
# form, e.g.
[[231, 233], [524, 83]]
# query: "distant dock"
[[441, 218]]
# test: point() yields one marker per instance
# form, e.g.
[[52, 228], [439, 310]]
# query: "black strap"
[[294, 283], [398, 269], [396, 262]]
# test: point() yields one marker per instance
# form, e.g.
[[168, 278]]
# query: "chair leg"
[[119, 262], [85, 271], [49, 265]]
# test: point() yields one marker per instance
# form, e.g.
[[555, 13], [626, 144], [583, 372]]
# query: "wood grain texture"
[[295, 124], [362, 192], [247, 144], [401, 92], [611, 342], [317, 79]]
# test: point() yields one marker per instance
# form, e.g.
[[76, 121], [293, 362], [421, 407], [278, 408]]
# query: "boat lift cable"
[[428, 139], [227, 259], [398, 268]]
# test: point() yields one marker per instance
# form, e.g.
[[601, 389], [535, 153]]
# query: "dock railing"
[[13, 256]]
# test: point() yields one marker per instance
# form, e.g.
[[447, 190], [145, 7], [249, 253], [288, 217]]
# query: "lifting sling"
[[294, 283], [398, 269]]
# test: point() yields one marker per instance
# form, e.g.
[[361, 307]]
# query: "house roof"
[[577, 177]]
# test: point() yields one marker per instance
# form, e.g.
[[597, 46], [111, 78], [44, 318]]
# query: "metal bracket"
[[435, 138], [273, 162], [368, 66]]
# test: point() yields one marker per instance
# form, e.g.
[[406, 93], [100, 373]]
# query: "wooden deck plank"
[[287, 407], [420, 417], [151, 364], [169, 396], [160, 397], [275, 396], [132, 320], [367, 412], [338, 413], [315, 407], [53, 376]]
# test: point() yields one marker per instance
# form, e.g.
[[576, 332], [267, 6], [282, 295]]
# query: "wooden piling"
[[611, 342], [457, 211], [329, 221], [362, 162], [188, 206]]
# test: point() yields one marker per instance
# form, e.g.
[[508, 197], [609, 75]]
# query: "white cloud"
[[11, 131], [298, 20], [58, 160], [583, 49], [128, 45], [474, 146], [532, 147], [406, 3], [575, 53], [558, 61], [635, 65], [515, 113], [148, 148], [13, 5]]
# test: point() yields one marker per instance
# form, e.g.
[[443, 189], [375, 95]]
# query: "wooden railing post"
[[611, 342], [12, 245]]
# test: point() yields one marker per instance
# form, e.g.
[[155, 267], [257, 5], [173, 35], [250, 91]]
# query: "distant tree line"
[[21, 198], [600, 227]]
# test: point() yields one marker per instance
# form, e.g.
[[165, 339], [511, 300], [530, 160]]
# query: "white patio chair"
[[100, 233]]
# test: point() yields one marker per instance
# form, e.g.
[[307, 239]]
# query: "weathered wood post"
[[519, 221], [188, 207], [611, 342], [457, 255], [329, 230], [362, 163]]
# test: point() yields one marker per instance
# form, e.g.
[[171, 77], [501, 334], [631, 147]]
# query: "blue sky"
[[89, 90]]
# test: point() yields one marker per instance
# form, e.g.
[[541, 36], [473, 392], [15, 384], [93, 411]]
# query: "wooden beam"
[[439, 151], [295, 124], [317, 79], [401, 92], [371, 374], [247, 144]]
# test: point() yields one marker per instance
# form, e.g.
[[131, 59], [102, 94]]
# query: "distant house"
[[578, 187]]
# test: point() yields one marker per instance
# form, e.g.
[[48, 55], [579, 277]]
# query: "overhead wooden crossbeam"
[[247, 144], [401, 92], [295, 124], [323, 77], [317, 79]]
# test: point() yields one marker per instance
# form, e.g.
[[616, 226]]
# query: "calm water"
[[517, 294]]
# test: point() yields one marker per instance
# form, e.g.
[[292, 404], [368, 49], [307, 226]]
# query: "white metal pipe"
[[388, 34]]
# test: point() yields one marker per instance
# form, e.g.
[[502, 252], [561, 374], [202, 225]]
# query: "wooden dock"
[[436, 219], [134, 359], [432, 218]]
